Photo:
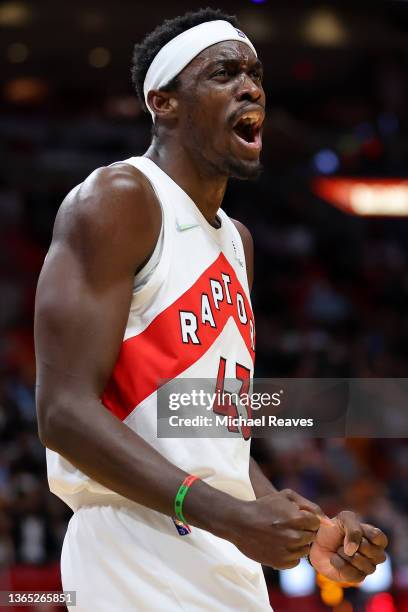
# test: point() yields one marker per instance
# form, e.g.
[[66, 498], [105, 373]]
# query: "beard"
[[233, 167], [243, 170]]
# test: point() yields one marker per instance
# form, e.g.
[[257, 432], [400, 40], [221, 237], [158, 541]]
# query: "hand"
[[277, 529], [346, 550]]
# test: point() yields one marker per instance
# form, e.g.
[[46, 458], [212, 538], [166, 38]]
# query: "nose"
[[248, 90]]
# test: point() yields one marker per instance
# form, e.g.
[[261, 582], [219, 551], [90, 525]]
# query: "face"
[[221, 109]]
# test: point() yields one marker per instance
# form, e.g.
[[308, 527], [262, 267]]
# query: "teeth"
[[250, 119]]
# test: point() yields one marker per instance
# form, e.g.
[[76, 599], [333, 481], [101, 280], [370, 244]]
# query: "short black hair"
[[145, 52]]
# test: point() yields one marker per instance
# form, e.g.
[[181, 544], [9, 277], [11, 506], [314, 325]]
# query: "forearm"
[[260, 483], [106, 450]]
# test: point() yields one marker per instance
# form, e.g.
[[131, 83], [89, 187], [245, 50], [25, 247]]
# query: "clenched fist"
[[277, 529], [346, 550]]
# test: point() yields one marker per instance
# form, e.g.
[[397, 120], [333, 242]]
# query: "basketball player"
[[147, 279]]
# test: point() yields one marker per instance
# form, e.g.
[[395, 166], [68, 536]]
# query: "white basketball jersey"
[[190, 317]]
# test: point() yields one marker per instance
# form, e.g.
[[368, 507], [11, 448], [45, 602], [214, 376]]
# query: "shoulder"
[[248, 244], [118, 194], [115, 206]]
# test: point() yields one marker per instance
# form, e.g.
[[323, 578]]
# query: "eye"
[[221, 72], [256, 74]]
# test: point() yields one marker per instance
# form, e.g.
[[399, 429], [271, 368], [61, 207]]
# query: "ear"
[[163, 103]]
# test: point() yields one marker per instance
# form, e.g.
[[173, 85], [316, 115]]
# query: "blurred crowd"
[[32, 522], [330, 297]]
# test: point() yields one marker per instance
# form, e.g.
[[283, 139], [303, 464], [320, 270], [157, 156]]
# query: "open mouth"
[[248, 127]]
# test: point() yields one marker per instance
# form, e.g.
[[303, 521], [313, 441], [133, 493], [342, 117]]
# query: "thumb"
[[353, 532], [305, 504]]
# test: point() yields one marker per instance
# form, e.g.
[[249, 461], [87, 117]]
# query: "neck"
[[204, 187]]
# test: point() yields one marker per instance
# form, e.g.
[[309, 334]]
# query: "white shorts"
[[120, 558]]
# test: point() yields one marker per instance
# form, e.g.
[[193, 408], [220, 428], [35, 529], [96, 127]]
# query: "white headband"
[[179, 51]]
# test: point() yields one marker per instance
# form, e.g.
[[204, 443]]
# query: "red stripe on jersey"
[[158, 353]]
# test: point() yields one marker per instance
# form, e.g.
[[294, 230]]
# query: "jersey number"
[[224, 404]]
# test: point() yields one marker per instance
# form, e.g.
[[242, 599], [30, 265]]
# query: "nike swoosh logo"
[[187, 226]]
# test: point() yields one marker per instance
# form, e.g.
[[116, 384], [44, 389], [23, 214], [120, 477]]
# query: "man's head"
[[215, 105]]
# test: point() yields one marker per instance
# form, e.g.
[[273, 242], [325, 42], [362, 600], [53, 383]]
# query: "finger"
[[358, 561], [325, 520], [374, 553], [299, 553], [352, 529], [286, 564], [298, 539], [347, 571], [303, 503], [375, 535], [306, 521]]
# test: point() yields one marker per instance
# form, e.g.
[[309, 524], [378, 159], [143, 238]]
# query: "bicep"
[[79, 324], [104, 230]]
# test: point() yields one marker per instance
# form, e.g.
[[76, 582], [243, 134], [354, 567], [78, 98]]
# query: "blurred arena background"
[[331, 283]]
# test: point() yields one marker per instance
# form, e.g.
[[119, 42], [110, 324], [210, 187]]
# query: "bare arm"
[[261, 484]]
